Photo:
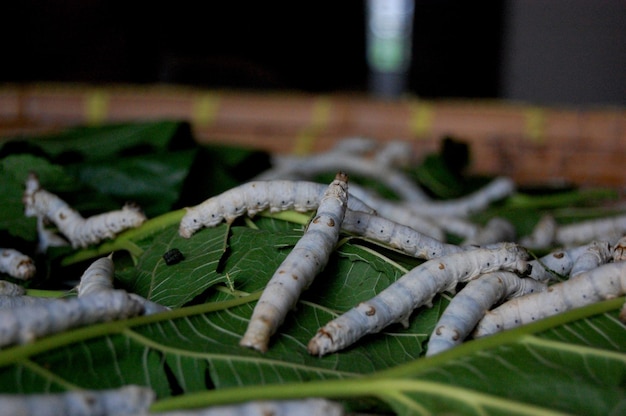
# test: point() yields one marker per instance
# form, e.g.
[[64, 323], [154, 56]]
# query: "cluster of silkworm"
[[81, 232], [506, 273], [24, 318]]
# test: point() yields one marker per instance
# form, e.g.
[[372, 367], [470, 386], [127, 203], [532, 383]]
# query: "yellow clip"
[[319, 120], [96, 107], [205, 108], [422, 116], [535, 124]]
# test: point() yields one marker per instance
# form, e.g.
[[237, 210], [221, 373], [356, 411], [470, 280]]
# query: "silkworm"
[[398, 236], [556, 264], [542, 235], [254, 197], [16, 264], [99, 277], [597, 253], [127, 400], [414, 289], [308, 407], [308, 257], [27, 323], [604, 282], [499, 188], [400, 213], [596, 229], [470, 304], [497, 229], [11, 289], [79, 231], [306, 167], [173, 256]]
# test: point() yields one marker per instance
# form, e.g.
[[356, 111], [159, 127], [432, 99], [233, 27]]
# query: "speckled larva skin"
[[597, 254], [603, 282], [16, 264], [79, 231], [497, 229], [127, 400], [398, 236], [11, 289], [556, 264], [254, 197], [415, 289], [27, 323], [471, 303], [297, 271]]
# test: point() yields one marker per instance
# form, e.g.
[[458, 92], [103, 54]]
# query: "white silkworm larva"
[[414, 289], [394, 179], [471, 303], [98, 278], [556, 264], [396, 235], [542, 235], [400, 213], [79, 231], [308, 407], [497, 229], [16, 264], [127, 400], [604, 282], [308, 257], [597, 254], [497, 189], [11, 289], [27, 323], [254, 197], [596, 229]]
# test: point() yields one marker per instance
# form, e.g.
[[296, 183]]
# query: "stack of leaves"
[[190, 355]]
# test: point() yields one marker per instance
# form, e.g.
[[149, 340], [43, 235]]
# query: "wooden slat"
[[530, 143]]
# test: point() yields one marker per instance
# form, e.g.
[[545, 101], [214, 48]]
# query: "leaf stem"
[[386, 389]]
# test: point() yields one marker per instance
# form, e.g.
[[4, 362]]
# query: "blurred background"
[[546, 52]]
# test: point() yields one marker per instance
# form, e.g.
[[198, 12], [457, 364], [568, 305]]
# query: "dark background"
[[561, 51]]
